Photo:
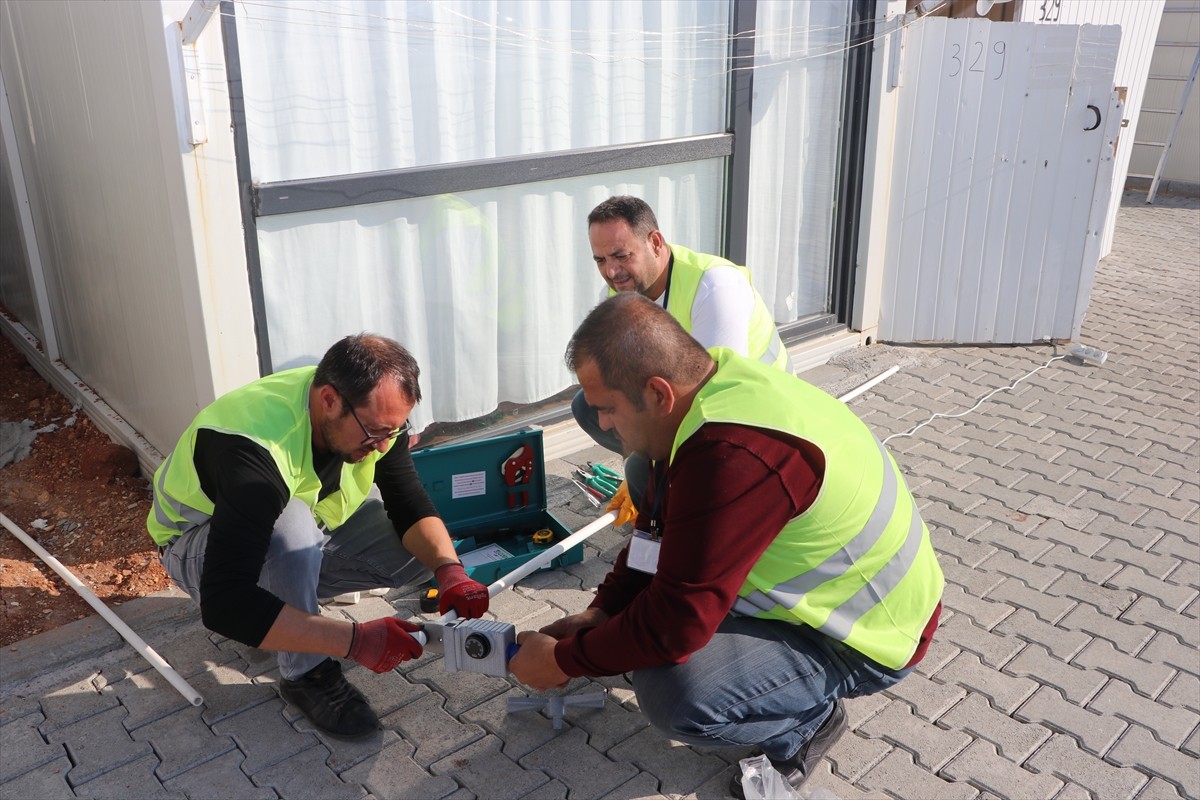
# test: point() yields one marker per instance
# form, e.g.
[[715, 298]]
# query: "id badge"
[[643, 552]]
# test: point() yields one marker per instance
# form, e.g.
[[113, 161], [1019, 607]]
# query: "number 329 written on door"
[[976, 57]]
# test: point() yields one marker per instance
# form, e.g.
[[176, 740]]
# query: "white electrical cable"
[[978, 403], [146, 651]]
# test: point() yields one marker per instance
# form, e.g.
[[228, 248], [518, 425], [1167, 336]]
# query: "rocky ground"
[[79, 495]]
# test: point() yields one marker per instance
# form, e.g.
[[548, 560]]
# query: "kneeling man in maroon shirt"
[[778, 565]]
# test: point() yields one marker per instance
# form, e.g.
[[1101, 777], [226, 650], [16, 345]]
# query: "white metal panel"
[[90, 96], [994, 178], [1139, 20]]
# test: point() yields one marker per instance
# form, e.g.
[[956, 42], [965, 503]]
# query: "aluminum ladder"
[[1176, 113]]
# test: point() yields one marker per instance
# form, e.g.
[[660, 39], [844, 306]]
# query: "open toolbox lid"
[[486, 483], [491, 494]]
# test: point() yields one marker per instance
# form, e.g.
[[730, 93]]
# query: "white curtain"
[[799, 63], [357, 86], [485, 287]]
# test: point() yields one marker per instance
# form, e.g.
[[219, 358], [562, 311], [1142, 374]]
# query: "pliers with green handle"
[[602, 482]]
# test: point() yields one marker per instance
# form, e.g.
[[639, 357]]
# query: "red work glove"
[[468, 598], [381, 644]]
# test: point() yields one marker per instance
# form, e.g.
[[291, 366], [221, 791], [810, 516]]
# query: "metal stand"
[[556, 707]]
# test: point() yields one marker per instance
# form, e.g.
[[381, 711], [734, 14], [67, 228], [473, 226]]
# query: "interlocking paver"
[[1095, 732], [855, 755], [1149, 612], [133, 779], [1140, 750], [1085, 542], [986, 613], [1086, 618], [484, 770], [461, 690], [1183, 692], [45, 782], [1171, 596], [263, 736], [929, 699], [435, 732], [24, 748], [975, 581], [1045, 605], [1092, 569], [1057, 639], [1171, 725], [1110, 602], [182, 743], [1062, 757], [982, 766], [98, 744], [1035, 575], [680, 768], [1006, 692], [897, 774], [1076, 684], [993, 649], [395, 776], [1013, 739], [930, 745], [585, 771], [646, 785], [66, 706], [1146, 677], [305, 775], [221, 777]]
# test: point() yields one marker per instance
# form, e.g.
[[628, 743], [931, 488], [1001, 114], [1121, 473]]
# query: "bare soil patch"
[[79, 495]]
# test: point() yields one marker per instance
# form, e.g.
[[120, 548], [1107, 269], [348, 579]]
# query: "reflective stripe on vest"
[[271, 412], [189, 517], [789, 594], [857, 564]]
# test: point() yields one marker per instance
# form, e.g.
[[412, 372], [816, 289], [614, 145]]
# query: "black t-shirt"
[[248, 495]]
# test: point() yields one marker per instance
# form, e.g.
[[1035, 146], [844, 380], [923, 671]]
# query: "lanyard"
[[667, 291]]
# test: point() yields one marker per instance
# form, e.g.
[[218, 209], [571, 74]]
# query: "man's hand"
[[381, 644], [534, 663], [621, 503], [468, 598], [569, 626]]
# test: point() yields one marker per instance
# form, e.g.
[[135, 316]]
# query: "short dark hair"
[[631, 339], [633, 210], [356, 364]]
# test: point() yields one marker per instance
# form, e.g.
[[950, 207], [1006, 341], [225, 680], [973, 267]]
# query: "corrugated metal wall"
[[90, 97], [996, 198], [1139, 26]]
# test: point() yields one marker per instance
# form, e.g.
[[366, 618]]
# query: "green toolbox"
[[492, 496]]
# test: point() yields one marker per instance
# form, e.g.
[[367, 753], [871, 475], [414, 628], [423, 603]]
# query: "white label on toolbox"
[[484, 555], [468, 484]]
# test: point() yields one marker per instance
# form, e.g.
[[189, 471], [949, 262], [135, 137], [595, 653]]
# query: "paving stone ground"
[[1065, 511]]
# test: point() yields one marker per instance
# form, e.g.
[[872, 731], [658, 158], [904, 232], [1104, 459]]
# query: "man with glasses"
[[299, 487]]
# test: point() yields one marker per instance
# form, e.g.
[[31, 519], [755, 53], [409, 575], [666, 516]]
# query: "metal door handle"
[[1097, 112]]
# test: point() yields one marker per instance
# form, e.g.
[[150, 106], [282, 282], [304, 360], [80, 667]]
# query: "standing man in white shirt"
[[711, 297]]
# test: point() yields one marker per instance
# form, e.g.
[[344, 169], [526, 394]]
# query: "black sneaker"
[[796, 769], [329, 702]]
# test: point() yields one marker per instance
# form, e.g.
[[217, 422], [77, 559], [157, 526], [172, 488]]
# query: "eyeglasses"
[[372, 439]]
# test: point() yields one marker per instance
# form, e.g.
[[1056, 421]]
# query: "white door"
[[1001, 177]]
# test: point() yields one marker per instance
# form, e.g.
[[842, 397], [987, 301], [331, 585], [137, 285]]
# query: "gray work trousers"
[[305, 564]]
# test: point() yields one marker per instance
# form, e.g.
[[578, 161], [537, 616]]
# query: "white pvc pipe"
[[853, 393], [139, 644], [536, 563]]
